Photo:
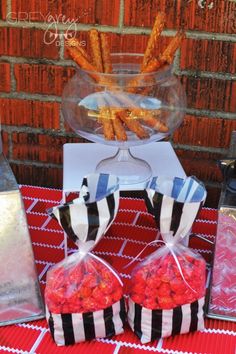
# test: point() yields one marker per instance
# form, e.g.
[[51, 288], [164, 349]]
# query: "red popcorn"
[[159, 284], [94, 287]]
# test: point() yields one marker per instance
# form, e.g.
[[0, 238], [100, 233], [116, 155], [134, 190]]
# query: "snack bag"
[[84, 295], [167, 289]]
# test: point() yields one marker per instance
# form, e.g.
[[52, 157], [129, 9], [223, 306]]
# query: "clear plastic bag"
[[167, 289], [84, 295]]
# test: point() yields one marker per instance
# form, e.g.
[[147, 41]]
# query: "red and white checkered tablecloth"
[[131, 231]]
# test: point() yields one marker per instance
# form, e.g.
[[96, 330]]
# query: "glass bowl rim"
[[165, 70]]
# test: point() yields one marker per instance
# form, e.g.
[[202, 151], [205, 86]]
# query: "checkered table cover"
[[131, 231]]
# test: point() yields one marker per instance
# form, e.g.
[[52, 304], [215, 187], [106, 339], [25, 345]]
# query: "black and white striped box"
[[149, 325], [71, 328]]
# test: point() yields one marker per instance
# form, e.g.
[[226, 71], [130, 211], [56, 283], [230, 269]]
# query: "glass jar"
[[124, 109]]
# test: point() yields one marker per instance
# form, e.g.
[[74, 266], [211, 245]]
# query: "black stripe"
[[85, 183], [177, 320], [68, 330], [122, 310], [137, 319], [89, 328], [108, 319], [156, 324], [194, 318], [93, 221], [64, 213], [157, 205], [111, 206], [51, 325], [176, 216], [147, 202]]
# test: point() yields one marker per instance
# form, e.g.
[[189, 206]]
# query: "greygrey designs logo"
[[54, 35], [55, 24]]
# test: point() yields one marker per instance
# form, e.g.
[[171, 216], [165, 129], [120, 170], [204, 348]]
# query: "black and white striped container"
[[175, 203], [149, 325], [73, 328], [88, 217], [85, 220]]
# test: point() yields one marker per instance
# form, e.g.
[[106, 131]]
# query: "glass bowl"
[[124, 109]]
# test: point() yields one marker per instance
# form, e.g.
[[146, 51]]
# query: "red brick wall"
[[33, 75]]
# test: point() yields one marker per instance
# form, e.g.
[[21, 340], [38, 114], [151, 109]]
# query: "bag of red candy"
[[84, 295], [167, 289]]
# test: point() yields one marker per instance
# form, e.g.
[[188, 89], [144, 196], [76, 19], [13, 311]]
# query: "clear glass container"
[[124, 109]]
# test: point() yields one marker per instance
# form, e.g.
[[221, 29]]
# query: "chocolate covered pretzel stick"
[[153, 38]]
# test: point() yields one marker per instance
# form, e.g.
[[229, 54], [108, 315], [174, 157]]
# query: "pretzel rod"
[[133, 125], [169, 52], [167, 56], [106, 55], [95, 44], [154, 36], [140, 112], [73, 42], [105, 119], [150, 118], [77, 56], [155, 124], [119, 130]]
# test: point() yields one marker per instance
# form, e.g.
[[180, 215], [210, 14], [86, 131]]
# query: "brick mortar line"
[[31, 96], [69, 63], [8, 6], [61, 134], [57, 99], [124, 30], [26, 129], [62, 47], [12, 77], [207, 74], [121, 14], [176, 63], [197, 148], [208, 113], [35, 163], [213, 184]]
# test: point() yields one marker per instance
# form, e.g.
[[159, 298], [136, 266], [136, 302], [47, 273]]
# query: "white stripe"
[[200, 325], [99, 324], [117, 200], [186, 321], [183, 191], [92, 180], [78, 327], [188, 216], [58, 330], [104, 216], [166, 214], [130, 314], [167, 316], [118, 324], [146, 325], [193, 189], [79, 220], [150, 193]]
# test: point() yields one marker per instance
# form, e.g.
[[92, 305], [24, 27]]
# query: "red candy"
[[158, 284], [84, 287]]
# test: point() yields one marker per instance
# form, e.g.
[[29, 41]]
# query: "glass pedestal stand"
[[128, 168]]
